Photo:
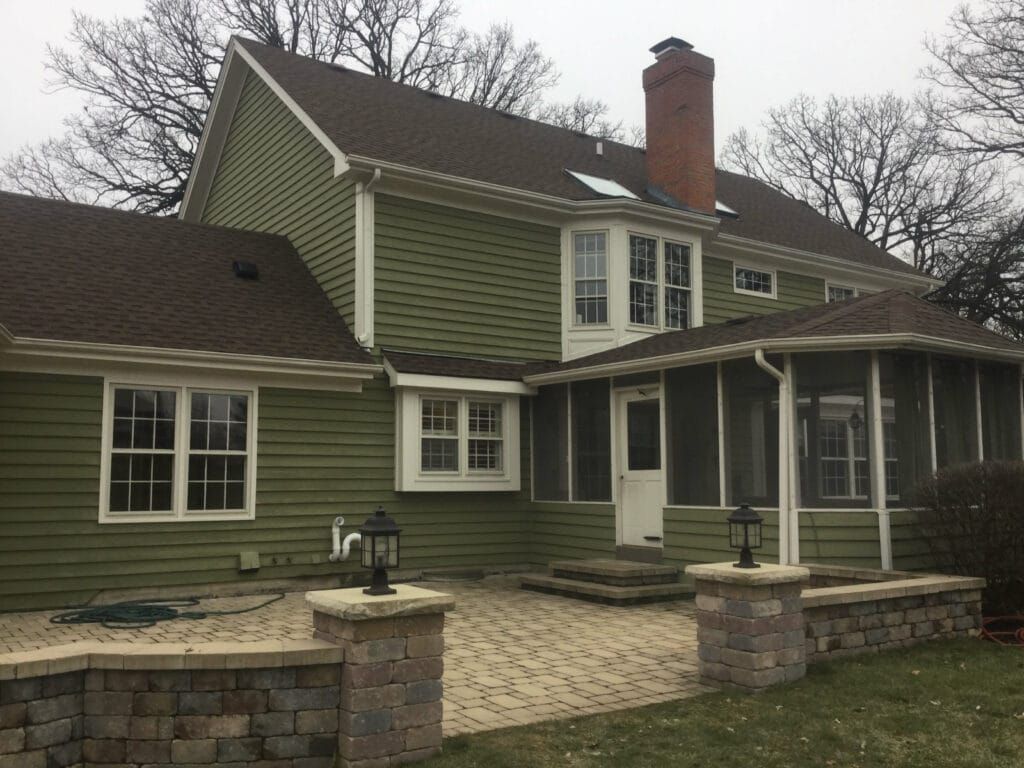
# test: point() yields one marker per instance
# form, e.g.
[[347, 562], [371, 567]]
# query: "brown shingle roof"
[[82, 273], [375, 118], [447, 365], [886, 313]]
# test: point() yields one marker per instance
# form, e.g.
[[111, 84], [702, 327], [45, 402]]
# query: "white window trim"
[[607, 277], [182, 429], [409, 475], [846, 287], [659, 312], [736, 265]]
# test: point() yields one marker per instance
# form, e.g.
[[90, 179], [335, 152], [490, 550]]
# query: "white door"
[[641, 479]]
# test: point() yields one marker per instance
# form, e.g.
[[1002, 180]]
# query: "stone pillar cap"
[[353, 605], [768, 573]]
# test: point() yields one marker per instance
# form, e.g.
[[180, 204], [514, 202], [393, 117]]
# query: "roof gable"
[[356, 114]]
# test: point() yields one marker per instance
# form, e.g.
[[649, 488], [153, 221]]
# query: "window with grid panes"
[[643, 280]]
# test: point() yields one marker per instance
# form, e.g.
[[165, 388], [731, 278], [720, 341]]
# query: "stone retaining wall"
[[365, 693], [748, 620], [840, 621]]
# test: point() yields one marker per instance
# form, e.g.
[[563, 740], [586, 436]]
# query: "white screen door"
[[641, 479]]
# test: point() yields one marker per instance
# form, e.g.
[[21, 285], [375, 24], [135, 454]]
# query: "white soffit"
[[605, 187]]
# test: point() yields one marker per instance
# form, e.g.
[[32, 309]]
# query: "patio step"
[[611, 594], [620, 573]]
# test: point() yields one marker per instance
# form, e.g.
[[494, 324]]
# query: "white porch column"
[[876, 452]]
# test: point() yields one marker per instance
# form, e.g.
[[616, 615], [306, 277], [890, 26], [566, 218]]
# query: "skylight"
[[721, 207], [605, 187]]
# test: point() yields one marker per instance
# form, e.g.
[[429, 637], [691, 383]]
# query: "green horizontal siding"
[[448, 280], [910, 548], [840, 538], [571, 531], [721, 302], [320, 454], [702, 536], [274, 176]]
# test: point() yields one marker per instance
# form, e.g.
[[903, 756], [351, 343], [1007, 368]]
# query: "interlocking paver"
[[511, 657]]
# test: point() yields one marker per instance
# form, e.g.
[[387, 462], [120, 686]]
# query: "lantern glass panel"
[[391, 551], [367, 552]]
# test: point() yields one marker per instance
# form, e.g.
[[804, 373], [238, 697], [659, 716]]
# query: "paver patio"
[[512, 657]]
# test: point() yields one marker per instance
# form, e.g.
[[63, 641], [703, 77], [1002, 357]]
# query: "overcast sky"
[[765, 51]]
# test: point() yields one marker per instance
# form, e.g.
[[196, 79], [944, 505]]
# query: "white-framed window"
[[590, 260], [643, 280], [757, 282], [659, 268], [452, 441], [835, 293], [677, 285], [844, 460], [177, 453]]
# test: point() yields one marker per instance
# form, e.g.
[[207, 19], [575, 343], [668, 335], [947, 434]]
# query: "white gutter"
[[796, 344], [74, 350], [789, 525]]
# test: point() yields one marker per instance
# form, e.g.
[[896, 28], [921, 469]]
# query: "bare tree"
[[148, 82], [978, 68], [875, 166], [589, 116]]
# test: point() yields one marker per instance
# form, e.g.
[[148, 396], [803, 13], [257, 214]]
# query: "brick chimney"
[[679, 88]]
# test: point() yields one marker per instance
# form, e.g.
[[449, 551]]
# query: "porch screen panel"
[[833, 430], [551, 443], [1000, 412], [751, 433], [691, 403], [591, 441], [956, 428], [904, 384]]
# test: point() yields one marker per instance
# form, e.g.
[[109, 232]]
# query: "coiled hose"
[[1005, 630], [139, 614]]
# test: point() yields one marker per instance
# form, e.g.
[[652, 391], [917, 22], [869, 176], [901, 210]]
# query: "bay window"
[[590, 259], [172, 453], [659, 275], [643, 280]]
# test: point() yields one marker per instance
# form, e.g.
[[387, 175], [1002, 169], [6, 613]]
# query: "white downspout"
[[341, 550], [788, 531]]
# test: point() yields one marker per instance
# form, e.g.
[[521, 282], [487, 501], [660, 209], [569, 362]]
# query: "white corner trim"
[[421, 381]]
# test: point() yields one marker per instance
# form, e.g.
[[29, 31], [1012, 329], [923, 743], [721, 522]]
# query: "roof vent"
[[600, 149], [246, 270], [508, 115]]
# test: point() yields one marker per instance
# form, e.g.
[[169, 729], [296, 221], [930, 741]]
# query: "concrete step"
[[610, 594], [621, 573]]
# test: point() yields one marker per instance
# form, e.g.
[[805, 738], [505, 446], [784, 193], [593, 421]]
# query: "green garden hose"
[[139, 614]]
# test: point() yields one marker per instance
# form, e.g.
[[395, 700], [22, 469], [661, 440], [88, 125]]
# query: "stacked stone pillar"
[[750, 624], [391, 685]]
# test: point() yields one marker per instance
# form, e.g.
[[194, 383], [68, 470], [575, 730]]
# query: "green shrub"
[[973, 518]]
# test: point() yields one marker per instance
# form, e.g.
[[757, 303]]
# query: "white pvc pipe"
[[788, 531], [341, 549]]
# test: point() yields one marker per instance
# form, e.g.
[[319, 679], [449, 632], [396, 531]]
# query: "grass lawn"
[[956, 703]]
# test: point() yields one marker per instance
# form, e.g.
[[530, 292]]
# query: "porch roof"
[[427, 364], [889, 320]]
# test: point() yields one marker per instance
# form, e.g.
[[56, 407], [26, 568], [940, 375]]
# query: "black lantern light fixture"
[[379, 548], [745, 534]]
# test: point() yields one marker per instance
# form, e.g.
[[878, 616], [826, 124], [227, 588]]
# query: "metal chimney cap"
[[670, 45]]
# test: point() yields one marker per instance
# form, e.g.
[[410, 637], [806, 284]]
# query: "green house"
[[526, 343]]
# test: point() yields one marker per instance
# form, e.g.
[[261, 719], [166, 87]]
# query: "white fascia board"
[[839, 266], [912, 341], [421, 381], [24, 354], [230, 80], [237, 60], [536, 206]]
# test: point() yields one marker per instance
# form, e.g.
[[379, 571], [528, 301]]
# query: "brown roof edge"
[[440, 364]]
